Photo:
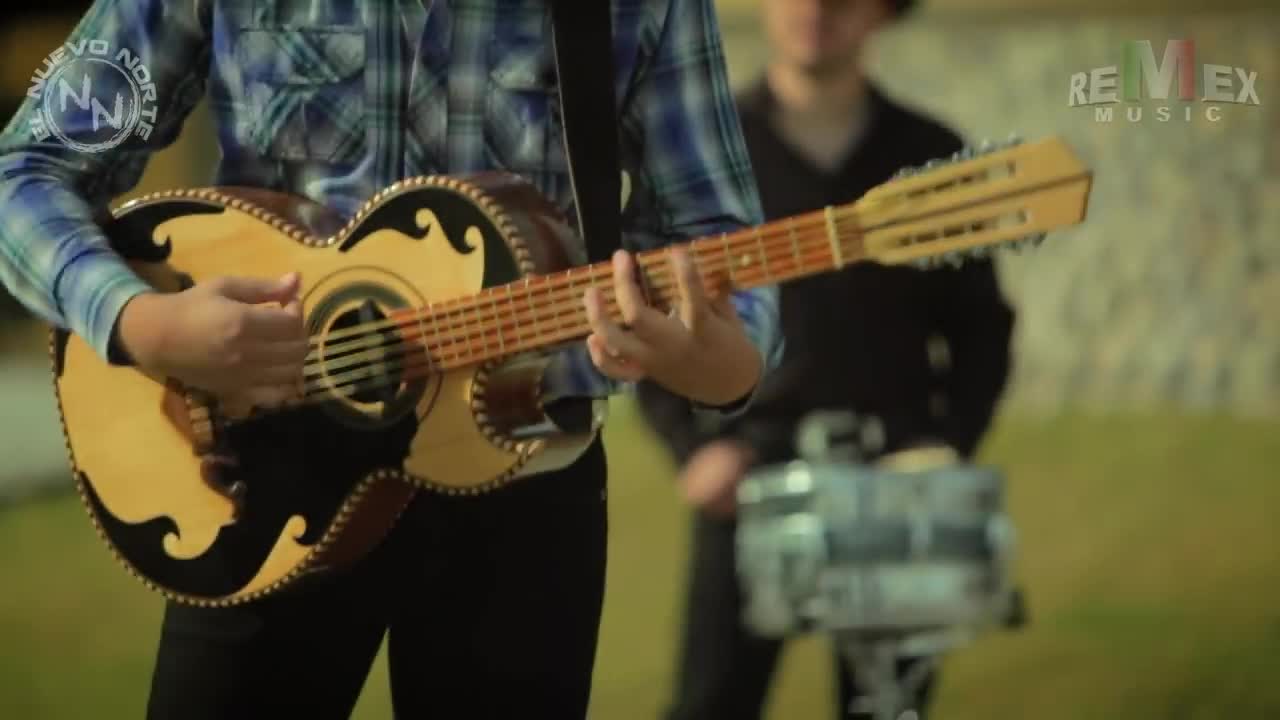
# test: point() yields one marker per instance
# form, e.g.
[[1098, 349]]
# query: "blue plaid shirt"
[[336, 100]]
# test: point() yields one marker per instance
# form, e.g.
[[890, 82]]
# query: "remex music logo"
[[92, 97], [1147, 87]]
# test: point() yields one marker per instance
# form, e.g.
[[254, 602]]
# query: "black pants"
[[725, 670], [491, 606]]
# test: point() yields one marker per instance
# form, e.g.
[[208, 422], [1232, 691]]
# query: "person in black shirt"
[[927, 352]]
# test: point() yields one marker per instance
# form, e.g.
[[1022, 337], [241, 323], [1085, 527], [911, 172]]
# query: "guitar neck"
[[545, 311], [965, 207]]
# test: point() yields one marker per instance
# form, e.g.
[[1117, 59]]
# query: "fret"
[[533, 310], [435, 327], [443, 332], [604, 288], [462, 353], [497, 316], [422, 338], [471, 315], [573, 292], [764, 257], [672, 293], [515, 317], [479, 312], [591, 281], [795, 245], [833, 237], [642, 279], [728, 257]]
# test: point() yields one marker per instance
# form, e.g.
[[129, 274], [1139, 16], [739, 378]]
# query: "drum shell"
[[841, 546]]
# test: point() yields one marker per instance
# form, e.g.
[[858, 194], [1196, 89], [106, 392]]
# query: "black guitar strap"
[[582, 35]]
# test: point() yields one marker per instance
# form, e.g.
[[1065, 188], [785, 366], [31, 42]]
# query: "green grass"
[[1148, 549]]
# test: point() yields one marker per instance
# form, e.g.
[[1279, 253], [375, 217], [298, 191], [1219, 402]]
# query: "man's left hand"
[[711, 478], [701, 352]]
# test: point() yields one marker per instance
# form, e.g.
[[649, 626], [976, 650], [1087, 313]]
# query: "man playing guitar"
[[492, 602]]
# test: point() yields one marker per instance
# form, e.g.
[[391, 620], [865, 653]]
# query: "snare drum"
[[917, 542]]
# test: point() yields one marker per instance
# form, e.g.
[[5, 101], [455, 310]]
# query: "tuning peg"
[[922, 263], [954, 259], [904, 172], [1014, 139], [1027, 242]]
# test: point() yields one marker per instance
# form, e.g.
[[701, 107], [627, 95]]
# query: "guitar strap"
[[582, 37]]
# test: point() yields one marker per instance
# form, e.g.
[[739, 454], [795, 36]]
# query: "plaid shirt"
[[335, 101]]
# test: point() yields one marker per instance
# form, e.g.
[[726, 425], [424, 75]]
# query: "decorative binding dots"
[[507, 228]]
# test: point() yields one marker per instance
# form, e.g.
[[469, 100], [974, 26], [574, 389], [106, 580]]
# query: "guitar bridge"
[[507, 401], [195, 415]]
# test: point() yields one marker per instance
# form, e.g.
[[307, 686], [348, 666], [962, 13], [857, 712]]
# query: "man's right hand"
[[224, 336]]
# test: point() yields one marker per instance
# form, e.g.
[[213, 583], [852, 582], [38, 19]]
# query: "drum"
[[916, 543]]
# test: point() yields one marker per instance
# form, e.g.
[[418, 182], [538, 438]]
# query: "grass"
[[1147, 549]]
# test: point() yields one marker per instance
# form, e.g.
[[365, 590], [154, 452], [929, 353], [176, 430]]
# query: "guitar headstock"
[[997, 195]]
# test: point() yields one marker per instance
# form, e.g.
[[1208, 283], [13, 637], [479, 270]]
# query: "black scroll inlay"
[[295, 463], [132, 233], [456, 215], [303, 462]]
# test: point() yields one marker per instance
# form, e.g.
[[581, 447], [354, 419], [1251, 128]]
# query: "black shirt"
[[860, 338]]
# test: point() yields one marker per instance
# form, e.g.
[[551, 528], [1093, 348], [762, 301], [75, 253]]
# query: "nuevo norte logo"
[[1140, 78], [92, 98]]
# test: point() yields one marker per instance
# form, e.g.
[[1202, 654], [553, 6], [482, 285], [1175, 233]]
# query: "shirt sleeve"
[[692, 176], [54, 258]]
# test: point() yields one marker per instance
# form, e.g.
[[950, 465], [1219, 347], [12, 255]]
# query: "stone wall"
[[1169, 295]]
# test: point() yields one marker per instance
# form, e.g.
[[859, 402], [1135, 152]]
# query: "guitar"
[[431, 314]]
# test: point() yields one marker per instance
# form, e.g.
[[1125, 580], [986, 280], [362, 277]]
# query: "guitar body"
[[213, 512]]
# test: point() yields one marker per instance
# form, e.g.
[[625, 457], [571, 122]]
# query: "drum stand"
[[873, 660], [906, 557], [874, 669]]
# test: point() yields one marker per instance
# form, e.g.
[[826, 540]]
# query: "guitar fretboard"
[[544, 311]]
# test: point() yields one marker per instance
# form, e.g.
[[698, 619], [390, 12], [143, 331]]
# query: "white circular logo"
[[91, 98]]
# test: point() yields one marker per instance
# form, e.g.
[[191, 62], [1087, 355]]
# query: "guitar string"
[[351, 383], [387, 361], [477, 310], [464, 309], [659, 280], [347, 384], [575, 329], [797, 231], [352, 380], [408, 360], [751, 236], [573, 276], [572, 301]]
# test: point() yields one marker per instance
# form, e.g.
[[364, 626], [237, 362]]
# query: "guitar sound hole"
[[373, 370], [384, 359]]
